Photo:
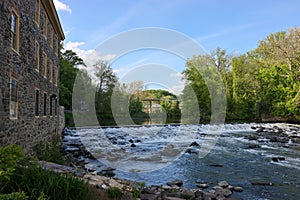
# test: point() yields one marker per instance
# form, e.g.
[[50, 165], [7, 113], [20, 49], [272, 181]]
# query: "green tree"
[[279, 59], [69, 63], [245, 88], [201, 72], [106, 82]]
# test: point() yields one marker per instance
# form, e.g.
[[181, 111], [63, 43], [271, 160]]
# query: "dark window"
[[51, 106], [37, 96], [45, 104], [55, 107]]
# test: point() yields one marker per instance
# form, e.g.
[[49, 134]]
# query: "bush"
[[17, 174], [10, 158], [50, 152]]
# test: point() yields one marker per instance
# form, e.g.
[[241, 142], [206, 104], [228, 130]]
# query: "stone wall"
[[27, 129], [61, 119]]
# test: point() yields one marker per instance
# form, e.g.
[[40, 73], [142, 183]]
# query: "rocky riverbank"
[[173, 190]]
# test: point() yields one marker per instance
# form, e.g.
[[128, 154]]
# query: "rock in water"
[[223, 184], [238, 189], [216, 165], [202, 185], [253, 146], [194, 144], [133, 145], [178, 183]]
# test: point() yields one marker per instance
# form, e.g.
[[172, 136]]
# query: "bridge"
[[153, 104]]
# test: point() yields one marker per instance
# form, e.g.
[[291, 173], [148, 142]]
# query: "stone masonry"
[[29, 70]]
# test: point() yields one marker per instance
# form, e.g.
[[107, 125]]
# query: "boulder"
[[225, 192], [238, 189], [132, 145], [202, 185], [194, 144], [199, 194], [148, 197], [296, 140], [187, 194], [178, 183], [223, 184]]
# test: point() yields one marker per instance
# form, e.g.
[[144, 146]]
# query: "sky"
[[234, 25]]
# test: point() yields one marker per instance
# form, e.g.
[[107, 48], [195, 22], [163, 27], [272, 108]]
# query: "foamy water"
[[159, 155]]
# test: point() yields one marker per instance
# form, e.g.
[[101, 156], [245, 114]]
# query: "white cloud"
[[61, 6], [180, 83], [90, 57]]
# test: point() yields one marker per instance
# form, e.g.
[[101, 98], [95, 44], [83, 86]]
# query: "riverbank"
[[173, 190]]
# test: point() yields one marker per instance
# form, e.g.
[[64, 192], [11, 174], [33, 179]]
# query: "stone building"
[[30, 35]]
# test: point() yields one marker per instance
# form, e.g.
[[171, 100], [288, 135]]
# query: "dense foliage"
[[263, 84], [21, 178]]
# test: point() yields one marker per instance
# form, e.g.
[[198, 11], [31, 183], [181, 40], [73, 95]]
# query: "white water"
[[160, 151]]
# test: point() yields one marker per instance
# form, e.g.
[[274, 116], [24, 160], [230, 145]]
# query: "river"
[[264, 159]]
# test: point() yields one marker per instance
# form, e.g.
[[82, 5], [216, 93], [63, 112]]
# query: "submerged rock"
[[252, 137], [216, 165], [253, 146]]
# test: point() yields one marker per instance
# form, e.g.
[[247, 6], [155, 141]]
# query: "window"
[[51, 71], [37, 55], [13, 103], [45, 22], [45, 104], [51, 37], [55, 107], [37, 12], [37, 96], [45, 64], [51, 106], [15, 31]]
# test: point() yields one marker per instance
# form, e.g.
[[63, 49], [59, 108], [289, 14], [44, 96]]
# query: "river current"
[[245, 155]]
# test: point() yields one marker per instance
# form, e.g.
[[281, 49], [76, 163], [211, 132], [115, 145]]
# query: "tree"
[[106, 82], [69, 63], [279, 59], [203, 74], [244, 88]]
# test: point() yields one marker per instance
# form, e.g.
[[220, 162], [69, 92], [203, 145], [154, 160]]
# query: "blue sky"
[[234, 25]]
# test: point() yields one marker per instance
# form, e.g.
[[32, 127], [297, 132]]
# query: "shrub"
[[50, 152], [17, 174]]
